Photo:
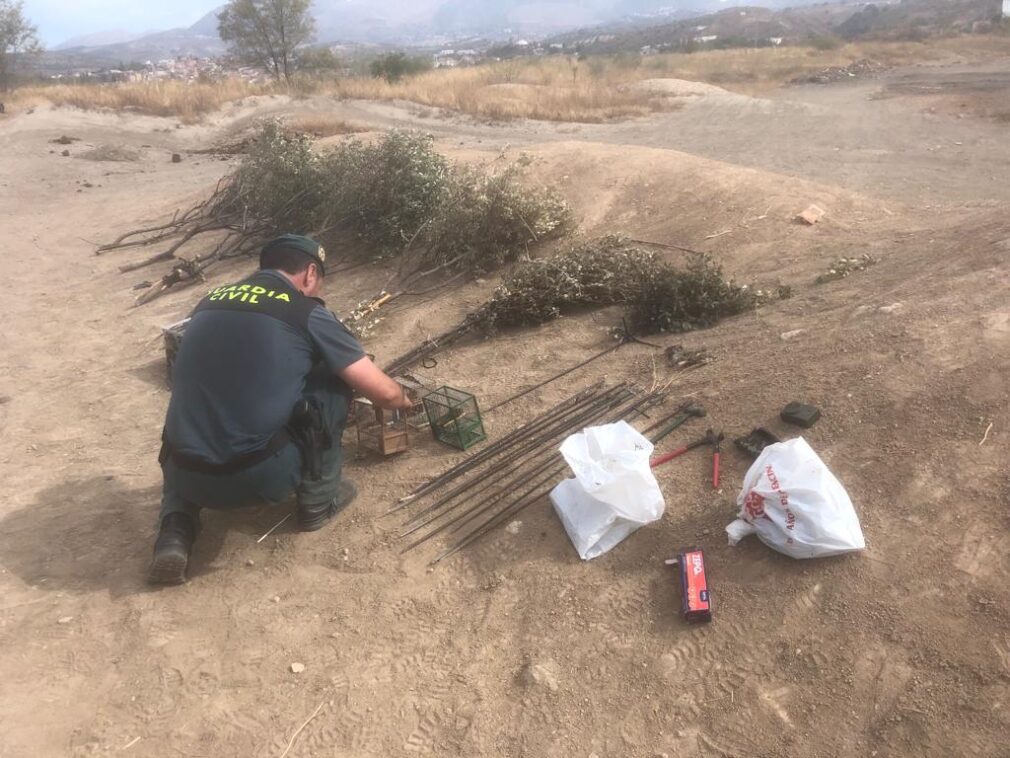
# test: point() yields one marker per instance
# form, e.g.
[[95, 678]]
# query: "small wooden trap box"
[[385, 432], [454, 417], [173, 340]]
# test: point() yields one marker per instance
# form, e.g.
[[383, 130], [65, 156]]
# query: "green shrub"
[[395, 66], [825, 42], [396, 197], [280, 182], [659, 296], [679, 300], [384, 192]]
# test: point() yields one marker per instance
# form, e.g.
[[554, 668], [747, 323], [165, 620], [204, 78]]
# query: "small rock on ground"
[[541, 674]]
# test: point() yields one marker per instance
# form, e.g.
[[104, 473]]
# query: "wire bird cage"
[[379, 430], [454, 417], [416, 389]]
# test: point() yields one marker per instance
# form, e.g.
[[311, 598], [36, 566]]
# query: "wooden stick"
[[666, 245], [299, 729], [274, 528]]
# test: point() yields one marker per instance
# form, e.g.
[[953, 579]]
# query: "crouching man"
[[261, 390]]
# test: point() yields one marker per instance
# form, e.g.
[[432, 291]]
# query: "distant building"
[[453, 58], [1006, 8]]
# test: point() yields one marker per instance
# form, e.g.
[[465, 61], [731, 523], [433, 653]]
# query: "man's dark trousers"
[[271, 481]]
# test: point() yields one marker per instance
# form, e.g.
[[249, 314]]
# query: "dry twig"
[[298, 731]]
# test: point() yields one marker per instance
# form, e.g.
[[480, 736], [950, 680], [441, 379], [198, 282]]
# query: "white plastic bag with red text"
[[795, 505]]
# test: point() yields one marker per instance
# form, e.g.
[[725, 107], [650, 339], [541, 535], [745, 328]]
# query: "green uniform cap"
[[302, 244]]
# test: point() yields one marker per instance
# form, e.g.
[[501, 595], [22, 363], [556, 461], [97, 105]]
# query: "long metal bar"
[[508, 440], [524, 475], [523, 501], [521, 476], [554, 378], [554, 431], [669, 417], [501, 445], [552, 465]]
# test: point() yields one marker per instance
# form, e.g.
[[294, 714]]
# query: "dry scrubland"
[[515, 647], [553, 89]]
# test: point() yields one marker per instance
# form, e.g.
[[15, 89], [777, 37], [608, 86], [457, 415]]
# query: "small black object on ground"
[[756, 441], [800, 414]]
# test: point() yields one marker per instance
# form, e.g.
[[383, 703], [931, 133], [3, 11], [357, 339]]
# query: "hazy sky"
[[58, 20]]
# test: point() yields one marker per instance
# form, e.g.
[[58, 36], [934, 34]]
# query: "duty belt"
[[306, 430], [234, 466]]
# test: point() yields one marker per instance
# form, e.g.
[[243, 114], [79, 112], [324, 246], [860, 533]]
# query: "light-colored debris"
[[811, 215], [542, 674]]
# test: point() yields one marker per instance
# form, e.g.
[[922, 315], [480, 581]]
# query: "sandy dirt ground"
[[903, 650]]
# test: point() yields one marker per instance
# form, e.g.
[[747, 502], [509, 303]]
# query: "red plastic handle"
[[668, 456], [715, 470]]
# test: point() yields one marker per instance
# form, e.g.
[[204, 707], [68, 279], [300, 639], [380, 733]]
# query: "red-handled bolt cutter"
[[711, 438]]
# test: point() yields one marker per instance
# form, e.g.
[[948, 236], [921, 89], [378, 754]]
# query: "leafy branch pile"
[[397, 198], [658, 296]]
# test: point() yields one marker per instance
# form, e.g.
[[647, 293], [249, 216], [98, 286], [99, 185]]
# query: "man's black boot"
[[313, 517], [171, 550]]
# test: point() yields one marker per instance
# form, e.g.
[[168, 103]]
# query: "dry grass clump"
[[756, 70], [188, 102], [555, 88], [321, 125]]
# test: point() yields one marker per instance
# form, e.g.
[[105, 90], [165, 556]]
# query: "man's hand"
[[372, 382]]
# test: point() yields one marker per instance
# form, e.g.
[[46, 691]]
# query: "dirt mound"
[[681, 88], [665, 196]]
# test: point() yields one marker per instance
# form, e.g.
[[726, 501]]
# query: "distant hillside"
[[600, 26], [405, 22], [98, 39], [742, 25], [200, 39]]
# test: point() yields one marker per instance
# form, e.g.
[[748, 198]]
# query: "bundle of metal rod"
[[508, 441], [536, 445], [539, 489], [540, 453], [531, 481]]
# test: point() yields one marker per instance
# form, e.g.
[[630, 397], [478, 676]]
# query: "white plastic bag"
[[614, 491], [795, 505]]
